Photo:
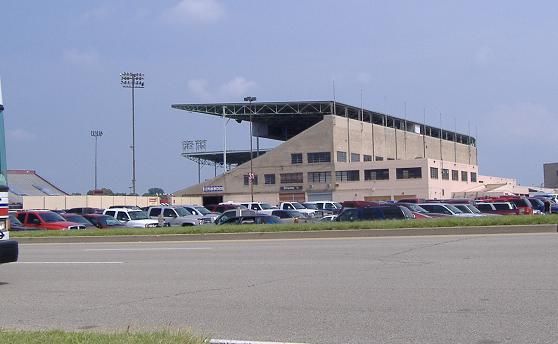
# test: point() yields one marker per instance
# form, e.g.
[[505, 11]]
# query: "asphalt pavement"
[[482, 289]]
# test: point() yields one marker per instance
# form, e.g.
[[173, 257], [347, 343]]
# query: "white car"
[[132, 217]]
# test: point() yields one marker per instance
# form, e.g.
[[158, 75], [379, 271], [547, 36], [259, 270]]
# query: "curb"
[[354, 233]]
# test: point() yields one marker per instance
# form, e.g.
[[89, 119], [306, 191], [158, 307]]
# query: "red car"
[[45, 219], [103, 221]]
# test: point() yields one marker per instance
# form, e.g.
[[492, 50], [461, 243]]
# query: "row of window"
[[454, 175], [320, 157], [354, 175]]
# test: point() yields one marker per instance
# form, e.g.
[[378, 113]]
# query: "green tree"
[[154, 191]]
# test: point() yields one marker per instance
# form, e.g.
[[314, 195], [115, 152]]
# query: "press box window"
[[377, 174], [355, 157], [445, 174], [463, 176], [296, 158], [434, 172], [409, 173], [318, 157], [366, 157]]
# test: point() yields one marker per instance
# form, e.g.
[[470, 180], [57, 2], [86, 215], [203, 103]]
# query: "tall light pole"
[[251, 176], [133, 81], [96, 134]]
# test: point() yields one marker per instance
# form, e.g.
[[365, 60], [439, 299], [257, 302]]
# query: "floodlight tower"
[[251, 176], [133, 81]]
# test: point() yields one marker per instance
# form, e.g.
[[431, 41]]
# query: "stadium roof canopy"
[[283, 120], [234, 157]]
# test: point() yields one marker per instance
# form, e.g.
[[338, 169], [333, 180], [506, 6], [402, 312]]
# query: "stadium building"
[[334, 151]]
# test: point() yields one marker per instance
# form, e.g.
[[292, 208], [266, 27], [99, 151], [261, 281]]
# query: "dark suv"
[[388, 212]]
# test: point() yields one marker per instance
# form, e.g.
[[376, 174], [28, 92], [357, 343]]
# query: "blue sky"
[[490, 65]]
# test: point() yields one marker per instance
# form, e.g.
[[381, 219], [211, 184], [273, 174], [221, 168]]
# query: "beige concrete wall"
[[366, 138], [66, 202], [440, 188]]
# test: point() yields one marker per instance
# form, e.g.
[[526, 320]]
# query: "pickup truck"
[[259, 207], [175, 216], [300, 208], [8, 248]]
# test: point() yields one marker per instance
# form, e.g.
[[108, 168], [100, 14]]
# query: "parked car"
[[258, 219], [260, 207], [228, 214], [290, 216], [500, 208], [46, 219], [383, 212], [445, 208], [103, 221], [521, 203], [469, 208], [85, 210], [538, 205], [174, 215], [328, 218], [417, 209], [77, 219], [221, 208], [328, 207], [198, 210], [132, 217], [309, 212]]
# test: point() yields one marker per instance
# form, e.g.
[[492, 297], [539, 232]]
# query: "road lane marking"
[[69, 262], [232, 341], [148, 249]]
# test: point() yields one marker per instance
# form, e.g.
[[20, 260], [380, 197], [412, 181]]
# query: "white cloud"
[[204, 11], [20, 135], [199, 87], [237, 87], [81, 58]]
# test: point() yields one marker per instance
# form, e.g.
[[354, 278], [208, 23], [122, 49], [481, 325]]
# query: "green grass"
[[390, 224], [62, 337]]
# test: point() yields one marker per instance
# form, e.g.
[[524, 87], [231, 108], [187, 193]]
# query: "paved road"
[[449, 289]]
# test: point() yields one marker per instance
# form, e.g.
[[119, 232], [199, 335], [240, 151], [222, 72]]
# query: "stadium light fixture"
[[133, 81]]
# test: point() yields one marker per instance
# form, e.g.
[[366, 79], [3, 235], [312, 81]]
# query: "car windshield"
[[454, 209], [111, 221], [203, 210], [52, 217], [337, 205], [311, 206], [78, 219], [138, 215], [15, 221], [415, 207], [473, 209], [266, 206], [463, 208], [297, 205], [182, 211]]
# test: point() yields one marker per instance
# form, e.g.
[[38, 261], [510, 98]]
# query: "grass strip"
[[63, 337], [318, 226]]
